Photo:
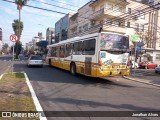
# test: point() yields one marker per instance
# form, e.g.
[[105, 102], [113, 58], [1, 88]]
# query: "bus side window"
[[57, 51], [71, 49], [49, 52], [89, 47], [80, 47], [61, 52], [75, 48], [67, 50]]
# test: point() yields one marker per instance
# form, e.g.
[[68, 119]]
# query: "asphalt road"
[[57, 90], [5, 64]]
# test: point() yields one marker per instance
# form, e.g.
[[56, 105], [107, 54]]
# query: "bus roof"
[[80, 38], [75, 39]]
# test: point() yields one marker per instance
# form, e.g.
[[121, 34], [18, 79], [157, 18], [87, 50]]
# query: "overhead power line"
[[65, 3], [37, 7], [54, 5]]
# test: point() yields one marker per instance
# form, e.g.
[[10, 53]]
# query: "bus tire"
[[73, 69]]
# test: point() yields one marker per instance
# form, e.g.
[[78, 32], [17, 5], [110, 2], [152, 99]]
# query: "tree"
[[20, 4], [17, 28], [18, 48]]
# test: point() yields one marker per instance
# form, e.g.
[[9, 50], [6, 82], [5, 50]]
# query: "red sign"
[[14, 38]]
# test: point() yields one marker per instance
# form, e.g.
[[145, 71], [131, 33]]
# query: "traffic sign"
[[14, 38], [135, 37]]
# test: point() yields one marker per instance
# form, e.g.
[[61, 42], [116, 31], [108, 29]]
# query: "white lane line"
[[1, 76], [35, 99]]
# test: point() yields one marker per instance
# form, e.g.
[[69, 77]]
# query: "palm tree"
[[20, 4], [17, 28]]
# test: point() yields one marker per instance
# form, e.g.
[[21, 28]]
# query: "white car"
[[35, 60], [135, 65]]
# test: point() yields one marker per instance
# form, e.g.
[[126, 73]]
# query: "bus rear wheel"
[[73, 69]]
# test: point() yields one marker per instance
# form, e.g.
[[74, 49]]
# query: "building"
[[147, 26], [73, 26], [97, 16], [62, 28], [50, 35]]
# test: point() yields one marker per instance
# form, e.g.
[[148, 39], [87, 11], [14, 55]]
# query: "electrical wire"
[[53, 5]]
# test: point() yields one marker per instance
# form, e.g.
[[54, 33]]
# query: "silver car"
[[157, 69], [35, 60]]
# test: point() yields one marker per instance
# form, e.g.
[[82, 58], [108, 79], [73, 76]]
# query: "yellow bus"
[[96, 55]]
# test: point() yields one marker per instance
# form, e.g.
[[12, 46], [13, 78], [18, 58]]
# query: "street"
[[57, 90]]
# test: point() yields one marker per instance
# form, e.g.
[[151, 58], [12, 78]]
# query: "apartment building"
[[73, 25], [50, 35], [62, 28]]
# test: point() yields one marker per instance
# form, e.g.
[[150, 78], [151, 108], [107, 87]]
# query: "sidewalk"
[[152, 79]]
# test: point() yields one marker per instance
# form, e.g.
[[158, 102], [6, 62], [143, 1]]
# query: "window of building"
[[80, 29], [109, 22], [85, 27], [128, 24], [141, 28], [141, 15], [157, 56], [129, 10], [137, 27], [89, 47]]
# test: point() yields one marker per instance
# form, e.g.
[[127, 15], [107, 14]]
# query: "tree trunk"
[[18, 33]]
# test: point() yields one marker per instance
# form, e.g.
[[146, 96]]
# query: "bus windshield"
[[114, 42]]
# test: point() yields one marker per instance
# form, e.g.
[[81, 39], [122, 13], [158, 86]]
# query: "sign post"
[[14, 39], [135, 38]]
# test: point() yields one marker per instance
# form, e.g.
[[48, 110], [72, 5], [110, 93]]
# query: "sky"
[[34, 20]]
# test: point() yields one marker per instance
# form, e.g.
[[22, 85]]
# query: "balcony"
[[105, 12]]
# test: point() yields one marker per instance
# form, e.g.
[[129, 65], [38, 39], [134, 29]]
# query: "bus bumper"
[[117, 72]]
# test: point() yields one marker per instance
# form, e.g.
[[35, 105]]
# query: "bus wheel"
[[73, 69]]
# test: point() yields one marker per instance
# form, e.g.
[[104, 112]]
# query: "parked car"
[[147, 65], [35, 60], [135, 64], [157, 69]]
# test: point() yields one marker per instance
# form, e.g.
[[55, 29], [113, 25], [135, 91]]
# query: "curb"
[[156, 85], [35, 99]]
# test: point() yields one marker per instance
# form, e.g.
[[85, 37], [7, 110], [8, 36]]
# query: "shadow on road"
[[52, 74]]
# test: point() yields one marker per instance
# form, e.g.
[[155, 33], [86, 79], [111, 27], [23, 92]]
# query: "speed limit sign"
[[14, 38]]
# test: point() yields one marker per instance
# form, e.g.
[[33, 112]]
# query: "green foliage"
[[20, 3], [15, 26]]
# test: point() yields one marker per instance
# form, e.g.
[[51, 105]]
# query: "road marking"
[[141, 81], [1, 76], [35, 99]]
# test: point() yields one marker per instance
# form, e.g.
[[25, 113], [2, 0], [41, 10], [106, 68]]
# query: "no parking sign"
[[14, 38]]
